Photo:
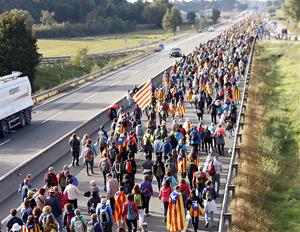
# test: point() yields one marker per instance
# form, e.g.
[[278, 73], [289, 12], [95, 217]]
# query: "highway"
[[57, 117]]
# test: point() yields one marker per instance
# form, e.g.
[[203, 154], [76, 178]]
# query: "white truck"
[[15, 102]]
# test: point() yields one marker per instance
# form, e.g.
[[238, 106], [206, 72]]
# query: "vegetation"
[[171, 20], [270, 151], [191, 17], [292, 13], [18, 47], [76, 18], [215, 15], [51, 75]]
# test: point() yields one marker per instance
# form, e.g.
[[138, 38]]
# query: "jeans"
[[104, 176], [87, 164], [159, 181], [195, 222], [216, 183], [221, 149], [214, 118], [166, 206], [74, 203], [75, 155], [147, 201], [211, 215], [132, 225]]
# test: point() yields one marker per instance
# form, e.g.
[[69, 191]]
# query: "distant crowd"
[[207, 79]]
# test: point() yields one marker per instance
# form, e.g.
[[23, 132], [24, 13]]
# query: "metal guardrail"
[[229, 187], [78, 81]]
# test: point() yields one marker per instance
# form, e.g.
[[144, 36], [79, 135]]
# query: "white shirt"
[[72, 192]]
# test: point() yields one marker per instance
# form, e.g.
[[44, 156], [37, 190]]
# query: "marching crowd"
[[207, 80]]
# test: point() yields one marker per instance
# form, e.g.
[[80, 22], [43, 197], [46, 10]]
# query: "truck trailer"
[[15, 102]]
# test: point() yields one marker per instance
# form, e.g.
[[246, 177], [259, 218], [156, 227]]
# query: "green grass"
[[280, 141], [51, 75], [61, 47]]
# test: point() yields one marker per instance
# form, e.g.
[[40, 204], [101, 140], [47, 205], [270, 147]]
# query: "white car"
[[210, 29]]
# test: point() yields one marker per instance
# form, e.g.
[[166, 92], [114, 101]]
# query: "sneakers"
[[206, 225]]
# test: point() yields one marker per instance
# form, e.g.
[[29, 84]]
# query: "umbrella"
[[115, 106]]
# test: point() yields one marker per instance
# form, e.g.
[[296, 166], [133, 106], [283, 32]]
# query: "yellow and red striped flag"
[[176, 220], [120, 199], [181, 109], [143, 96]]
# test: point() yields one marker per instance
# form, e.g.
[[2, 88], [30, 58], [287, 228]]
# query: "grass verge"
[[51, 75], [268, 184]]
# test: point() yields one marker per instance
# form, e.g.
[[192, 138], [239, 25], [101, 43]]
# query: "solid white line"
[[115, 83], [90, 97], [5, 142], [206, 162], [52, 117]]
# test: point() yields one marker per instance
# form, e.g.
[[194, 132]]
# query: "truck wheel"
[[4, 130], [22, 120], [28, 117]]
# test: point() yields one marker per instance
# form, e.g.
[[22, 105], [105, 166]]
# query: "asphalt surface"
[[56, 118]]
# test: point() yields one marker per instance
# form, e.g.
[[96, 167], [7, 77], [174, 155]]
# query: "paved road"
[[56, 118]]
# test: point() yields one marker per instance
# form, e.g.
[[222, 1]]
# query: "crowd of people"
[[172, 145]]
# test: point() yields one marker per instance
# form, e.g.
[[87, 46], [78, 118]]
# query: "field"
[[63, 47], [268, 184]]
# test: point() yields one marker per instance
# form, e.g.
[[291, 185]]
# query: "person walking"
[[194, 206], [74, 143], [73, 193], [78, 223], [147, 191], [139, 200], [94, 224], [220, 135], [89, 155], [182, 163], [130, 212], [67, 217], [216, 177], [112, 186], [130, 168], [55, 205], [210, 208], [104, 167], [50, 178], [192, 168], [120, 199], [14, 219], [159, 171], [105, 215], [199, 180], [164, 195], [176, 220]]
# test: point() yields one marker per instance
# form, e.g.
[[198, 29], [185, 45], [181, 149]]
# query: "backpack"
[[69, 218], [130, 213], [200, 179], [91, 227], [171, 165], [159, 172], [104, 167], [102, 141], [129, 166], [112, 153], [138, 200], [89, 155], [104, 215], [211, 169], [78, 225], [117, 167]]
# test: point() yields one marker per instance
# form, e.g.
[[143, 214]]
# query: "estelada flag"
[[181, 109], [144, 95], [196, 210], [176, 220], [120, 199]]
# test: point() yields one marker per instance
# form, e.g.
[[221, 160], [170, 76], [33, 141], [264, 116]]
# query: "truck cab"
[[15, 102]]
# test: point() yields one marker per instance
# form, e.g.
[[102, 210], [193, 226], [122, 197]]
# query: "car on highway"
[[175, 52], [211, 29]]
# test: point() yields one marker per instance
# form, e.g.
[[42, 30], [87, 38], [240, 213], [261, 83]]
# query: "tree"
[[172, 18], [215, 15], [79, 61], [18, 46], [47, 18], [292, 9], [191, 16], [154, 12]]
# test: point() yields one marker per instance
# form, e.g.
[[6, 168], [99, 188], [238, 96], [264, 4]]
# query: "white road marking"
[[206, 162], [52, 117], [5, 142], [115, 83], [90, 97]]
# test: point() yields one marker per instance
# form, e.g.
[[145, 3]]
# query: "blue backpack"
[[131, 215]]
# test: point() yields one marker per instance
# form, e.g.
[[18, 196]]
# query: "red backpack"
[[129, 167], [211, 169]]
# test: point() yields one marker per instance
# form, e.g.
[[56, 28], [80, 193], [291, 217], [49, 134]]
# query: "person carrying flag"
[[176, 220], [120, 199], [194, 205], [181, 109]]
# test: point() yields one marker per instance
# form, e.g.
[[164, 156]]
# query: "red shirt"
[[125, 208]]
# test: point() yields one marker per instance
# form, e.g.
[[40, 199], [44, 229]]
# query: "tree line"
[[69, 18]]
